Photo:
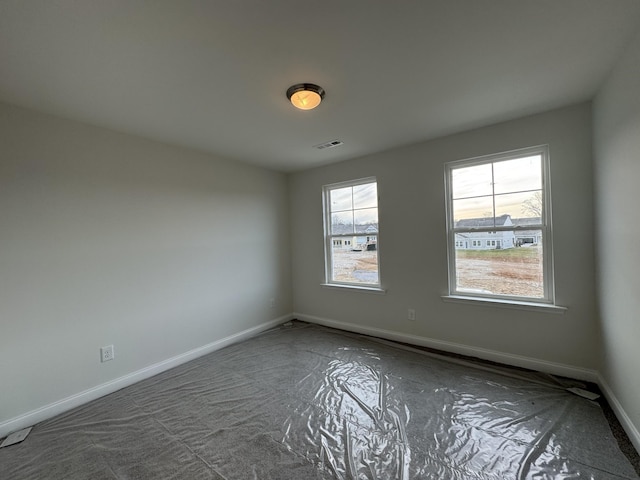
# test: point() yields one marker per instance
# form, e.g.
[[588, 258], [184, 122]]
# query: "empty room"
[[319, 240]]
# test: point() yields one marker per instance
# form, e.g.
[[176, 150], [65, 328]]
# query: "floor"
[[308, 402]]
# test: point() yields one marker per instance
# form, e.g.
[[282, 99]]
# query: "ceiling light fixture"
[[305, 96]]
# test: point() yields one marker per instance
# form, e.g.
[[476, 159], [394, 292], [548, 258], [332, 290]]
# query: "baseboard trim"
[[483, 353], [621, 414], [43, 413]]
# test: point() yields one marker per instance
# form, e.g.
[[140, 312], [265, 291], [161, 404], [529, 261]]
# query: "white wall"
[[414, 253], [617, 173], [107, 238]]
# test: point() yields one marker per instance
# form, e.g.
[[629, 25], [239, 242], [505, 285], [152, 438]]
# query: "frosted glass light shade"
[[305, 96]]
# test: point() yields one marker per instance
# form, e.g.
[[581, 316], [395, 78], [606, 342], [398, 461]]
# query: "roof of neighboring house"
[[501, 221], [523, 222], [339, 229]]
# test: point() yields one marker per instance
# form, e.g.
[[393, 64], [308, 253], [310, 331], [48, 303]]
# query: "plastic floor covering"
[[306, 402]]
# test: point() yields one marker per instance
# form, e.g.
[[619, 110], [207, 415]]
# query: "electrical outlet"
[[272, 303], [106, 353], [411, 315]]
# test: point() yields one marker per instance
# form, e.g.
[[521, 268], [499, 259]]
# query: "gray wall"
[[413, 246], [617, 173], [107, 238]]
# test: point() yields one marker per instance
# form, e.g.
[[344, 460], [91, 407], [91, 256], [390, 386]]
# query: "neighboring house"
[[365, 239], [527, 237], [485, 240], [343, 242], [370, 240]]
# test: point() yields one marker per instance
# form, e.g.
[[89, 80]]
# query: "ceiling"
[[212, 75]]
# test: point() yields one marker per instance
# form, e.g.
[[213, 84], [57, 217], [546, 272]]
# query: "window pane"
[[354, 264], [520, 205], [342, 222], [473, 208], [472, 181], [366, 220], [518, 175], [365, 196], [341, 199], [501, 270]]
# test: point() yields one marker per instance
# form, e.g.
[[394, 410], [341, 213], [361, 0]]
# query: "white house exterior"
[[485, 240], [527, 237], [365, 239]]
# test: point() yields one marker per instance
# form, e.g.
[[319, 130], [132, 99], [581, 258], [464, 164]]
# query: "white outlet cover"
[[16, 437], [107, 353]]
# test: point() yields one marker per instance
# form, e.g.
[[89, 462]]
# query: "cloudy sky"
[[510, 182], [356, 205]]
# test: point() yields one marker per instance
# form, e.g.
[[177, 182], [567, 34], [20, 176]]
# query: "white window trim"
[[328, 238], [502, 303], [359, 288], [546, 227]]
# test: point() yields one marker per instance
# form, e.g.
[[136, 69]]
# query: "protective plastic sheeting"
[[306, 402]]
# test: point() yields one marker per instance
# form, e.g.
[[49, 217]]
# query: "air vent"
[[331, 144]]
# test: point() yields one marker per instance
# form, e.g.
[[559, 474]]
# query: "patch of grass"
[[506, 254]]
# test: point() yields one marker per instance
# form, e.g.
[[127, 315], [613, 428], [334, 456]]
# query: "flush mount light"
[[305, 96]]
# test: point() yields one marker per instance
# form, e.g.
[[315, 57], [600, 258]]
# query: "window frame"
[[545, 227], [329, 237]]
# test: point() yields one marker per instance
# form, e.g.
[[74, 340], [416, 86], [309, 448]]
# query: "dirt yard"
[[358, 267], [514, 271]]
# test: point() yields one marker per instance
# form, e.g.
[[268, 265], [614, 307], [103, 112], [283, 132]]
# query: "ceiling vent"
[[331, 144]]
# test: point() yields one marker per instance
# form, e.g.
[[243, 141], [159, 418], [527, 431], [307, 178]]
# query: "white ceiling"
[[212, 75]]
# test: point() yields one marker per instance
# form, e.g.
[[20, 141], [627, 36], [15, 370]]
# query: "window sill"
[[512, 304], [338, 286]]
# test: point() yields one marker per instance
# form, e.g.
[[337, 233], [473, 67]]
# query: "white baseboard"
[[486, 354], [621, 414], [61, 406]]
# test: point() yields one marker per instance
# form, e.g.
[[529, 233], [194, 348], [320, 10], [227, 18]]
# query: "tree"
[[533, 205]]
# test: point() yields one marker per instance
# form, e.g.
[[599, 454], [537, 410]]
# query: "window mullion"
[[493, 192]]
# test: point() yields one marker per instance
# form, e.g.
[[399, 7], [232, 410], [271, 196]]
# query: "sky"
[[512, 182], [355, 205], [474, 189]]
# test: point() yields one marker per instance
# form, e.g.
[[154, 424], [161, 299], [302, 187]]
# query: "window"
[[506, 196], [351, 233]]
